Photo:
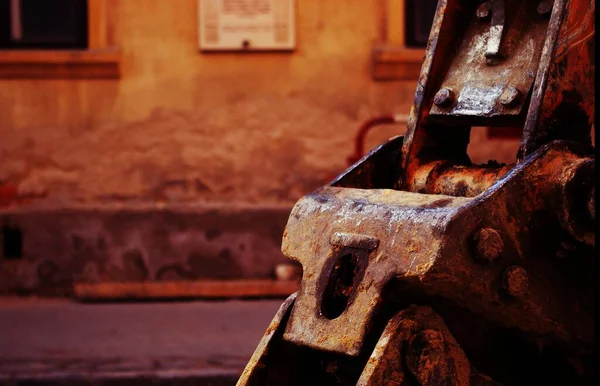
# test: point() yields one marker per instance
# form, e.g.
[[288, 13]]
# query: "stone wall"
[[181, 125], [50, 249]]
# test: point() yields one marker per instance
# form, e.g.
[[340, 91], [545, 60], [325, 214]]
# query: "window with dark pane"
[[419, 18], [12, 243], [43, 24]]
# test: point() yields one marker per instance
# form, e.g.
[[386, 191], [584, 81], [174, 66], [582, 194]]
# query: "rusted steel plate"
[[410, 227], [254, 373], [427, 242], [562, 101], [480, 86]]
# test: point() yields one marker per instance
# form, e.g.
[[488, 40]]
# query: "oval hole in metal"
[[340, 286]]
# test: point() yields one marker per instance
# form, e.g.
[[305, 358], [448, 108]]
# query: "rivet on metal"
[[494, 41], [545, 7], [483, 11], [426, 357], [515, 281], [488, 244], [510, 97], [443, 97], [354, 240]]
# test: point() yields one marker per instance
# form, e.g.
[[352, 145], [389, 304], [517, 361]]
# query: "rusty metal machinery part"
[[420, 268], [576, 212], [445, 178]]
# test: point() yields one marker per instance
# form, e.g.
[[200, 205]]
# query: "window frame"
[[391, 58], [101, 59]]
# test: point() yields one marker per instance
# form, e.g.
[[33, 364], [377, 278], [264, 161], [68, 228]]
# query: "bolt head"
[[484, 10], [426, 357], [545, 7], [488, 244], [443, 97], [510, 97], [515, 281]]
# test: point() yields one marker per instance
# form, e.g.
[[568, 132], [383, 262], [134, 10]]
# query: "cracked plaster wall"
[[181, 125]]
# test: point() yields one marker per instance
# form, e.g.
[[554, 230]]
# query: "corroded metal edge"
[[263, 346]]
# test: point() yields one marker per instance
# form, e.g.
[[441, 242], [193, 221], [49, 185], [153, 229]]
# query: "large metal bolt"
[[510, 96], [515, 281], [484, 10], [443, 97], [488, 244], [576, 208], [427, 358], [545, 7]]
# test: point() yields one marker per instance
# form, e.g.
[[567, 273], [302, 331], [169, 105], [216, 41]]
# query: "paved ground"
[[50, 340]]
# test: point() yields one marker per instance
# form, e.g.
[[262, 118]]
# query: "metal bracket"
[[492, 52]]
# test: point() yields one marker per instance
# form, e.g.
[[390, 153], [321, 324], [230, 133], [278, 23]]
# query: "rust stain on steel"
[[441, 177], [256, 365], [562, 101], [579, 28], [411, 243]]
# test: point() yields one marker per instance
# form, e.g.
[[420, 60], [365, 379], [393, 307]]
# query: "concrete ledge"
[[45, 249], [181, 290]]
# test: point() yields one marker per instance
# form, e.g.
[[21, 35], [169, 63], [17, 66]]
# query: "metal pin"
[[488, 244], [483, 11], [443, 97], [545, 7], [515, 281], [510, 96], [496, 29]]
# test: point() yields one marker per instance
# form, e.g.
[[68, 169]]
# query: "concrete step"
[[46, 248]]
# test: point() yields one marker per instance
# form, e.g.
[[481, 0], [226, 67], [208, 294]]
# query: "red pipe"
[[359, 139]]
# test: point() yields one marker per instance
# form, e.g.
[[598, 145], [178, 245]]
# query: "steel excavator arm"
[[420, 268]]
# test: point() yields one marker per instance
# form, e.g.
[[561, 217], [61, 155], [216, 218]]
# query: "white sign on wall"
[[246, 25]]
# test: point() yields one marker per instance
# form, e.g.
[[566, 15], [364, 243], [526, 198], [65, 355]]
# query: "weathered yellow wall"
[[184, 125]]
